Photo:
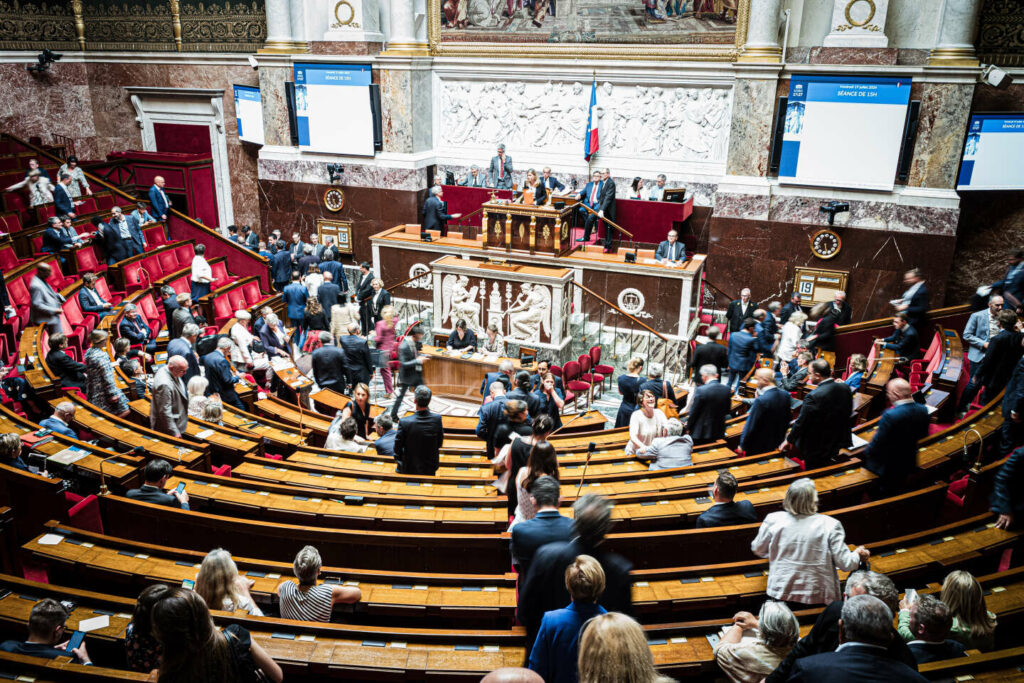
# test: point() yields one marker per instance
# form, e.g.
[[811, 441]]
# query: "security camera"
[[334, 172], [832, 208], [253, 63], [44, 60], [996, 77]]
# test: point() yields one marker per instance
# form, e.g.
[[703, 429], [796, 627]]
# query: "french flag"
[[590, 141]]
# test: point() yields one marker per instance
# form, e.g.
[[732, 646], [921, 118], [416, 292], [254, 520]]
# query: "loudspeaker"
[[909, 135], [375, 112], [293, 123], [778, 130]]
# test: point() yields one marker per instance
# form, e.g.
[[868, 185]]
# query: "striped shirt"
[[310, 604]]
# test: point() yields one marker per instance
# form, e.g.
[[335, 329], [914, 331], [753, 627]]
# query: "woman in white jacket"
[[804, 549], [792, 332]]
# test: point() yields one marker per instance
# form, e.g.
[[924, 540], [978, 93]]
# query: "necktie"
[[501, 166], [593, 193]]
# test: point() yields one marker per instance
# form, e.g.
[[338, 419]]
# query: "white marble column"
[[403, 39], [297, 10], [959, 25], [762, 33], [279, 25]]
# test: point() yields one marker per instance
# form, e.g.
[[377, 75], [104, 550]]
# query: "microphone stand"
[[590, 453]]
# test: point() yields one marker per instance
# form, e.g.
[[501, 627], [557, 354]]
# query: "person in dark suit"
[[419, 438], [824, 636], [1012, 284], [915, 301], [504, 375], [297, 249], [725, 512], [410, 366], [308, 259], [1012, 435], [550, 183], [763, 332], [357, 356], [54, 239], [117, 239], [158, 200], [904, 339], [156, 474], [555, 653], [670, 250], [70, 372], [364, 292], [841, 309], [606, 207], [712, 402], [710, 353], [89, 299], [329, 363], [590, 196], [384, 444], [281, 267], [548, 526], [330, 264], [169, 299], [768, 417], [928, 620], [63, 202], [521, 392], [133, 328], [435, 214], [474, 178], [544, 589], [864, 631], [1008, 490], [181, 316], [742, 353], [892, 453], [825, 420], [221, 375], [791, 307], [542, 368], [740, 310], [823, 337], [46, 630], [490, 416], [998, 363], [295, 295], [533, 184], [500, 171], [328, 293]]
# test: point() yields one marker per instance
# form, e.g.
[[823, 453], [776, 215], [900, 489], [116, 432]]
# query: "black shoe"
[[426, 238]]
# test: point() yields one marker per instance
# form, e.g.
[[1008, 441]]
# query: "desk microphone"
[[591, 447]]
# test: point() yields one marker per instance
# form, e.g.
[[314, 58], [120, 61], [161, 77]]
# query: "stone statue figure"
[[530, 312]]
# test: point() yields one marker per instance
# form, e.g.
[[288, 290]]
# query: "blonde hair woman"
[[792, 332], [534, 191], [804, 549], [381, 298], [197, 398], [973, 624], [220, 585], [385, 340], [614, 649], [213, 411], [341, 316]]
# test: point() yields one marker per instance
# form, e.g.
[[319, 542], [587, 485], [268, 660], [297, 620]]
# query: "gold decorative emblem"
[[871, 13], [565, 230], [547, 232], [498, 227], [347, 21], [825, 244], [522, 230], [334, 200]]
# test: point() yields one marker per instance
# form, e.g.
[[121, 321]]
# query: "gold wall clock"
[[826, 244], [334, 200]]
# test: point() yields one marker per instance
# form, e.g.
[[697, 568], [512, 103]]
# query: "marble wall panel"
[[295, 207], [398, 110], [885, 56], [356, 175], [991, 225], [660, 298], [945, 108], [275, 105], [762, 255], [751, 132], [30, 105]]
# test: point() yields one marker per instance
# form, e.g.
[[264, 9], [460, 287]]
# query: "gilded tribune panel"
[[34, 25]]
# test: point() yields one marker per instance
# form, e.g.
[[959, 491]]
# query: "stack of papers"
[[68, 456]]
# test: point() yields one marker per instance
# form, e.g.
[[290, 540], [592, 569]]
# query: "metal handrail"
[[609, 303]]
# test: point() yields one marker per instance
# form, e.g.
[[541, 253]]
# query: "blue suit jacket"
[[530, 536], [62, 200], [670, 252], [1012, 284], [218, 371], [136, 331], [976, 334], [295, 296], [728, 514], [157, 203], [281, 267], [552, 183], [490, 417], [55, 425], [88, 303], [892, 454], [485, 386], [54, 241], [742, 350], [766, 423], [556, 649], [385, 443], [179, 346], [337, 272], [136, 232], [905, 342], [435, 214], [585, 198]]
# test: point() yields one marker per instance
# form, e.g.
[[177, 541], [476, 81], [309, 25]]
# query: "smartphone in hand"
[[76, 641], [180, 488]]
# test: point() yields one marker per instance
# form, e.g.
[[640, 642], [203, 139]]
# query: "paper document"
[[86, 625], [50, 539], [68, 456], [857, 441]]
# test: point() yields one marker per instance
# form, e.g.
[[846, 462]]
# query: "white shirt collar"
[[903, 401], [851, 644]]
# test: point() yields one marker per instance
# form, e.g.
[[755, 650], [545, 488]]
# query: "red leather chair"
[[75, 335], [587, 373], [44, 212], [134, 279], [58, 280], [184, 253], [10, 221], [252, 294], [181, 284], [153, 267], [8, 258], [86, 515], [595, 359], [571, 379], [88, 206], [168, 262], [151, 312], [104, 201], [220, 275], [103, 288], [86, 260], [155, 236], [77, 317], [222, 309]]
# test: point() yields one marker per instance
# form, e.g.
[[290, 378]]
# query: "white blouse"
[[791, 334], [803, 555], [201, 271], [645, 429]]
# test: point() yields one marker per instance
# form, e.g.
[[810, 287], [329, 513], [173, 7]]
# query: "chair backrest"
[[571, 371], [152, 265], [556, 370], [149, 309], [56, 278], [180, 285], [37, 244], [132, 275], [168, 262], [86, 259], [10, 221], [45, 211], [184, 253], [65, 325], [88, 206], [251, 292], [104, 201], [17, 291], [15, 201], [584, 361], [219, 271], [155, 236], [595, 355], [222, 309], [103, 288], [933, 348], [73, 310], [8, 259]]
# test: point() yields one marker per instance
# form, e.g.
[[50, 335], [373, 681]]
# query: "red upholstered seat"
[[86, 260], [184, 253], [251, 293], [10, 221], [155, 236], [133, 277], [168, 262], [45, 211], [37, 243], [58, 280], [104, 201], [222, 310], [154, 269], [104, 289], [571, 378], [595, 358], [180, 284], [220, 275], [149, 310], [88, 206], [86, 515], [586, 371], [8, 258], [222, 471]]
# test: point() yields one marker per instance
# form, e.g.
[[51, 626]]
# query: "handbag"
[[257, 346], [666, 405], [241, 655]]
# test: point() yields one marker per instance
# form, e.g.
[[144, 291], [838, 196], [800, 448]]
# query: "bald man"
[[168, 412], [892, 454], [768, 417], [512, 675], [159, 201]]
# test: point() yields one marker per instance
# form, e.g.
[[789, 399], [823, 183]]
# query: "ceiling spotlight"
[[996, 77], [45, 59], [334, 172]]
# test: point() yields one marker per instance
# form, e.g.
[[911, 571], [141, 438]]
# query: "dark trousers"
[[231, 398], [279, 286], [398, 400], [588, 225]]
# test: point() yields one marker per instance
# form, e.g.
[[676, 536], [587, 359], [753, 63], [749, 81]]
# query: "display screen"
[[844, 132], [332, 108], [993, 153], [249, 114]]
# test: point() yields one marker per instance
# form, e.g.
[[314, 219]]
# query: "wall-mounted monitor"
[[249, 114], [332, 108], [843, 131], [993, 153]]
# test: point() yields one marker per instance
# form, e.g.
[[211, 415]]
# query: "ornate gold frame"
[[336, 228], [660, 52]]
